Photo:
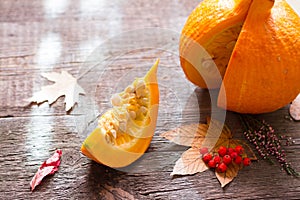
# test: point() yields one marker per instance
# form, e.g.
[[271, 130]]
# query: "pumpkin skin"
[[127, 147], [263, 73]]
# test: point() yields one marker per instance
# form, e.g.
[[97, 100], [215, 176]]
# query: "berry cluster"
[[224, 157]]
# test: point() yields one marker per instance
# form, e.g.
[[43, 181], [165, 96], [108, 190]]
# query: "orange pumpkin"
[[254, 44], [124, 132]]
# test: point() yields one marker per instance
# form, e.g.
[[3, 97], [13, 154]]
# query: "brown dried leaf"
[[233, 143], [65, 85], [248, 152], [197, 135], [187, 135], [229, 175], [295, 108], [201, 135], [216, 134], [189, 163], [232, 169]]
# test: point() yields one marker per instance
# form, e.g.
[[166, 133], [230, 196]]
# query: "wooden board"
[[44, 36]]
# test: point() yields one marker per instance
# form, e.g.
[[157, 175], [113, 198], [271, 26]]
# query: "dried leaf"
[[232, 169], [197, 135], [65, 85], [50, 166], [295, 108], [248, 152], [218, 134], [189, 163], [187, 135], [201, 135], [229, 175]]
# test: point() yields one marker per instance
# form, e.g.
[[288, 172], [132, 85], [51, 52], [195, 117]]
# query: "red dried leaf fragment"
[[50, 166]]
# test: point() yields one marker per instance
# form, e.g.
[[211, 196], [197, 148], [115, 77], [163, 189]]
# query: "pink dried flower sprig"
[[266, 141]]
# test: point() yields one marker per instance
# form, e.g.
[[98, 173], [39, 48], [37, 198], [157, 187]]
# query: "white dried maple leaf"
[[65, 85]]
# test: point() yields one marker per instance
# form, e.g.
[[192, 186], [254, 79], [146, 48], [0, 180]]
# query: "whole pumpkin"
[[255, 45]]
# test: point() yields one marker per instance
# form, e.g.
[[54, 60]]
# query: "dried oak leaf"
[[65, 85], [50, 166], [295, 108], [212, 136]]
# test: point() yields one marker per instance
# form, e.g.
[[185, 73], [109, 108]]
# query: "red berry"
[[230, 150], [239, 149], [207, 157], [238, 160], [227, 159], [222, 168], [233, 155], [246, 161], [204, 150], [217, 159], [211, 164], [222, 151]]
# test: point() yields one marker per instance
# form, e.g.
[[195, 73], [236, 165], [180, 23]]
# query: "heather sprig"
[[267, 142]]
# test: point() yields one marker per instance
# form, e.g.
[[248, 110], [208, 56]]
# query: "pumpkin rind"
[[263, 73]]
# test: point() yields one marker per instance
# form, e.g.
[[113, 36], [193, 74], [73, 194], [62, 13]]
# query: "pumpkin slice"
[[125, 131], [254, 45]]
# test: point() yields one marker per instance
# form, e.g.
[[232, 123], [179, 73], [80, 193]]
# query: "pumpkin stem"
[[262, 6]]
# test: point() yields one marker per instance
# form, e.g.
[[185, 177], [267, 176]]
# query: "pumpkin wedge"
[[255, 47], [125, 131]]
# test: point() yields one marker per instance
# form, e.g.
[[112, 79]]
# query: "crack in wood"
[[160, 191], [17, 56], [117, 193], [6, 116]]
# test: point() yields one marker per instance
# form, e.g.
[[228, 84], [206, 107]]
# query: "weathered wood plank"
[[27, 141]]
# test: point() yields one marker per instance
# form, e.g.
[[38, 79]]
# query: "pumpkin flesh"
[[115, 144]]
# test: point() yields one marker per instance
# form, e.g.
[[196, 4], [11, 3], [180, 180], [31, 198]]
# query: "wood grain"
[[44, 36]]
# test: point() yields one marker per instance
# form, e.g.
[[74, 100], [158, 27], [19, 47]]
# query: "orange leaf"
[[295, 108], [189, 163]]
